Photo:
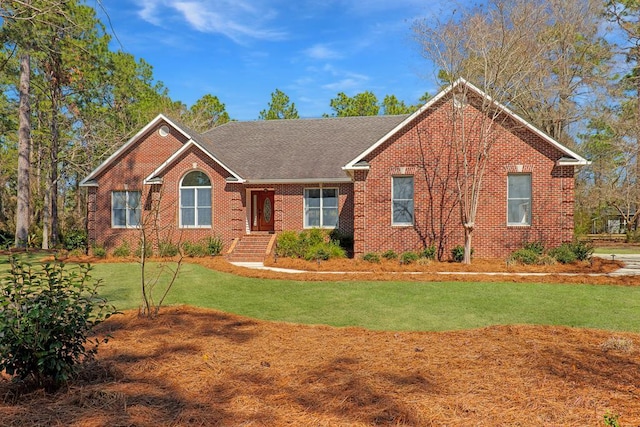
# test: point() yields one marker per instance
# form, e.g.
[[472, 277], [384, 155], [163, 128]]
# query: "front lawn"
[[388, 305]]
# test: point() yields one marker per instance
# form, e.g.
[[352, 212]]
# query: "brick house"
[[390, 181]]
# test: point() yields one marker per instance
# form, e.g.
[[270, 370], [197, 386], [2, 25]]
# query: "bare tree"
[[493, 50]]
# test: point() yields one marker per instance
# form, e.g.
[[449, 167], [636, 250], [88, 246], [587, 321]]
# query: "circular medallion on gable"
[[163, 131]]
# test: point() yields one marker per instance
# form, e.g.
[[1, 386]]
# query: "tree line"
[[68, 100]]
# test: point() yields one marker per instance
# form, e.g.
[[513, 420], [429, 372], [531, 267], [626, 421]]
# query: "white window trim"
[[413, 216], [126, 209], [304, 210], [530, 201], [196, 206]]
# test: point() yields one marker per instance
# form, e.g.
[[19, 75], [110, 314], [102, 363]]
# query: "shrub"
[[123, 250], [148, 250], [525, 256], [457, 253], [324, 251], [536, 247], [389, 254], [287, 245], [563, 254], [74, 239], [582, 250], [429, 252], [194, 250], [546, 259], [168, 249], [45, 319], [99, 251], [409, 257], [344, 240], [214, 245], [371, 257]]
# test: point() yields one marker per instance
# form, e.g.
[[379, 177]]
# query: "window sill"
[[401, 225], [519, 225]]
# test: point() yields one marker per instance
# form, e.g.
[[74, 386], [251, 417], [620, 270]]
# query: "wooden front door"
[[262, 211]]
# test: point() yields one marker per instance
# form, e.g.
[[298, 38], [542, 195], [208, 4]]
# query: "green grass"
[[622, 250], [396, 305]]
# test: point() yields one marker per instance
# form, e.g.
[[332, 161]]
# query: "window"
[[321, 207], [125, 209], [402, 200], [195, 200], [519, 199]]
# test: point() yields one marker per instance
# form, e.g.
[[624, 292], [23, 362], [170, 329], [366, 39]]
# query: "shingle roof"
[[295, 149]]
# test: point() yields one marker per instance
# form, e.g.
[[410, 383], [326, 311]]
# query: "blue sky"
[[242, 50]]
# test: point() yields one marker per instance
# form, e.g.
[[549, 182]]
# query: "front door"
[[262, 210]]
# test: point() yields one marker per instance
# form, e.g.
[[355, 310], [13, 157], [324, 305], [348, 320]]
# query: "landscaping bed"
[[204, 367]]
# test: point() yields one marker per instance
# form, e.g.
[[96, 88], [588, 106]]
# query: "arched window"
[[195, 200]]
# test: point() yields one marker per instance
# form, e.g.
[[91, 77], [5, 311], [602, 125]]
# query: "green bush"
[[582, 250], [371, 257], [148, 250], [563, 254], [288, 246], [168, 249], [45, 318], [195, 250], [457, 253], [324, 251], [429, 252], [389, 254], [123, 250], [409, 257], [75, 239], [536, 247], [344, 240], [525, 256], [214, 245], [99, 251]]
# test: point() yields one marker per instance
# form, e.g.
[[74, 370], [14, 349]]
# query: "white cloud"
[[322, 51], [235, 19]]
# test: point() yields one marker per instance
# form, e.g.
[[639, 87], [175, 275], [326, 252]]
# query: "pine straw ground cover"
[[206, 368]]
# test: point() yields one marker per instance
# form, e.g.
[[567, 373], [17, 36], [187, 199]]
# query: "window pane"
[[312, 197], [519, 186], [204, 216], [196, 179], [133, 217], [188, 216], [403, 212], [187, 197], [313, 218], [330, 217], [118, 208], [330, 197], [402, 187], [133, 201], [519, 212], [118, 217], [204, 197]]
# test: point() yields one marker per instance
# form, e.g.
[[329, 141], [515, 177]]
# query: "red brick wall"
[[424, 150], [229, 200]]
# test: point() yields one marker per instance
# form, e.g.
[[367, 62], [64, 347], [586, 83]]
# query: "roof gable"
[[569, 158], [183, 130]]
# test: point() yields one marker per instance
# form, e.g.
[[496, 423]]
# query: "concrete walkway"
[[631, 268], [631, 264]]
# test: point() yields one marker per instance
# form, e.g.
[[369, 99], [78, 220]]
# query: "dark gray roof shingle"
[[295, 149]]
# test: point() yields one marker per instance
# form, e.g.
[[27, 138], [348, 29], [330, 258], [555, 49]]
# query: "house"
[[389, 181]]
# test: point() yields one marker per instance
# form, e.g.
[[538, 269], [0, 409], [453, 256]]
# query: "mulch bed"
[[207, 368]]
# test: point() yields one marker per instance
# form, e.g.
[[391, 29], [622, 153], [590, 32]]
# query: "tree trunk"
[[24, 154], [468, 232], [53, 183]]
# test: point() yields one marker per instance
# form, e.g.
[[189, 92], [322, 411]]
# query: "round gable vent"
[[163, 131]]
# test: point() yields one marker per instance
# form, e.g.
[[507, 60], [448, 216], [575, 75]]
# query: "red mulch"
[[206, 368]]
